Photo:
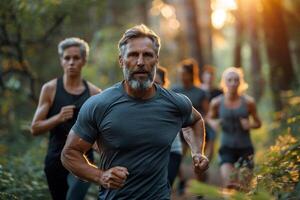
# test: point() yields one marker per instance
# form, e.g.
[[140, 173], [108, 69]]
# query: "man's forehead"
[[140, 43]]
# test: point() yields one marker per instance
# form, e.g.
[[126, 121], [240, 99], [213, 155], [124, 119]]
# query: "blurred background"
[[260, 36]]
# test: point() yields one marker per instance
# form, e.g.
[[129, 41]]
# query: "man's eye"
[[149, 55], [67, 58], [133, 54]]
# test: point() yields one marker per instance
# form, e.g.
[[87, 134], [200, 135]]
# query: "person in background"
[[190, 86], [237, 115], [207, 85], [161, 78], [59, 103]]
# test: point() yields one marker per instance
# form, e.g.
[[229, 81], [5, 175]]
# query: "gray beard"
[[137, 84]]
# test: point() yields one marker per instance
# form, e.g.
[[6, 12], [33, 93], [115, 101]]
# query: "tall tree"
[[209, 32], [239, 25], [143, 8], [193, 32], [255, 68], [281, 70]]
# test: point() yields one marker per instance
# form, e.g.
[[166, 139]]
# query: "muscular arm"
[[39, 123], [196, 141], [73, 159], [196, 137]]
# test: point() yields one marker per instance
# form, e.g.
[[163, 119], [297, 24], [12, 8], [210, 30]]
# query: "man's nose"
[[140, 61]]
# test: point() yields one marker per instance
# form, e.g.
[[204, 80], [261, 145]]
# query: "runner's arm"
[[196, 138], [39, 123], [73, 159], [253, 113], [196, 141]]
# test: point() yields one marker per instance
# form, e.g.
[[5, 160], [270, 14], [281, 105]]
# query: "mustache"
[[139, 71]]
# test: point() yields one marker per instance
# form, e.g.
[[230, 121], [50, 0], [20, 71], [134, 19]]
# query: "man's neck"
[[140, 94]]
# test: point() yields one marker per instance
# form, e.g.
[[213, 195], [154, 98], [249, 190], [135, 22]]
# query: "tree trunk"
[[238, 36], [255, 69], [209, 46], [281, 70], [143, 10], [193, 32]]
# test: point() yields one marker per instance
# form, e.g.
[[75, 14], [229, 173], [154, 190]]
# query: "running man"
[[134, 122], [58, 107]]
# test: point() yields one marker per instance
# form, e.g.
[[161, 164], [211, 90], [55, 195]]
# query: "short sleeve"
[[86, 126], [186, 110]]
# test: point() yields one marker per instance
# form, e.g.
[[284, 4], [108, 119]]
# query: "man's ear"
[[121, 61]]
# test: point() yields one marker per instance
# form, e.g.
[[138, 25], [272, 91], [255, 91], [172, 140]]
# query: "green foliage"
[[215, 193], [288, 120], [21, 175], [279, 173]]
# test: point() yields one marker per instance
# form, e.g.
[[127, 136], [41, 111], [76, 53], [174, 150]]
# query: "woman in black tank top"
[[57, 111], [234, 110]]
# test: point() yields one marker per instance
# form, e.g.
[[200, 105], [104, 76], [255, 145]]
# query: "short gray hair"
[[138, 32], [71, 42]]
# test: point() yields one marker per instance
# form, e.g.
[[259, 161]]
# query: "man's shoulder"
[[180, 101], [173, 96], [107, 96], [176, 88]]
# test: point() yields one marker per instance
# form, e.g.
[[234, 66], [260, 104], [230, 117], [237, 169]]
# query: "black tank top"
[[58, 135]]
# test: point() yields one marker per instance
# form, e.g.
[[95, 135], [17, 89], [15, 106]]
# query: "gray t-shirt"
[[176, 145], [136, 134]]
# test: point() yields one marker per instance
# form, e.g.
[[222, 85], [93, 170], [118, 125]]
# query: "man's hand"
[[66, 113], [114, 178], [200, 163]]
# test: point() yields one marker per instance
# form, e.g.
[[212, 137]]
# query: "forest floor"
[[213, 179]]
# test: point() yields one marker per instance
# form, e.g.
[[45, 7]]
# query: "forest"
[[261, 37]]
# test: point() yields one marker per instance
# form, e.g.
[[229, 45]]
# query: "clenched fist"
[[200, 163], [114, 178], [66, 113]]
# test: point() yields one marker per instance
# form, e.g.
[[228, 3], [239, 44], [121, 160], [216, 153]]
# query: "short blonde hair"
[[243, 85], [74, 41]]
